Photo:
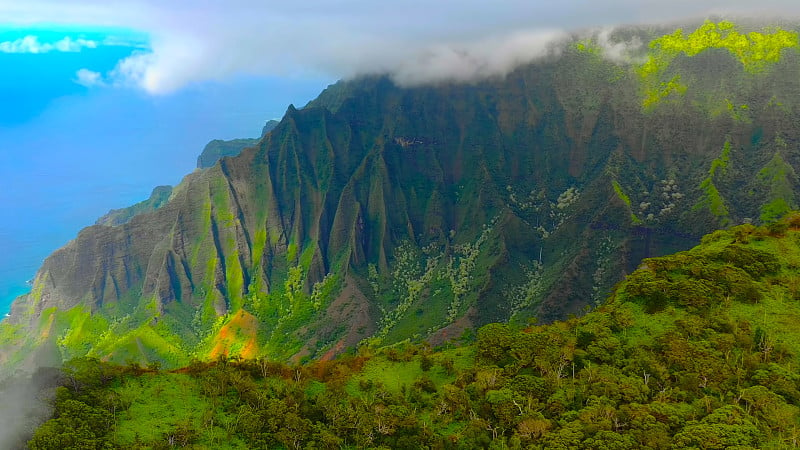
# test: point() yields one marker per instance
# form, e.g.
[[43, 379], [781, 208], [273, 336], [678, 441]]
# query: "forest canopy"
[[697, 349]]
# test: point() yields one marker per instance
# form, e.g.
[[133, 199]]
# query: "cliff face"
[[398, 213]]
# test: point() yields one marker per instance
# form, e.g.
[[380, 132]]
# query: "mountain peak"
[[386, 213]]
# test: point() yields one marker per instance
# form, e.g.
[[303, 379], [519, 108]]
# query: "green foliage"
[[779, 179], [755, 51], [293, 285], [625, 199], [697, 350], [588, 46], [81, 417], [525, 294], [324, 291], [721, 163], [436, 282], [460, 269], [663, 90], [493, 197], [712, 200], [738, 113]]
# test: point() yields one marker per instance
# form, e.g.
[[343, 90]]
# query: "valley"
[[597, 250]]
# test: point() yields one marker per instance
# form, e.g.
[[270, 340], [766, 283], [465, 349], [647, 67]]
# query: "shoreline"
[[9, 294]]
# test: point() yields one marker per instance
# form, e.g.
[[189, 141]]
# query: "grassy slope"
[[698, 349], [416, 301]]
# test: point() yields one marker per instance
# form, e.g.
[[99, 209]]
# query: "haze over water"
[[72, 149]]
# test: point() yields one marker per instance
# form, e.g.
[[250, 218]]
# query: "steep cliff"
[[382, 213]]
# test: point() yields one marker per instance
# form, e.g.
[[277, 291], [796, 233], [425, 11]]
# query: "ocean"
[[9, 291], [18, 264], [24, 244]]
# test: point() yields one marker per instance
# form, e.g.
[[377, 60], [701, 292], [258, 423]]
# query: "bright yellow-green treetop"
[[754, 50]]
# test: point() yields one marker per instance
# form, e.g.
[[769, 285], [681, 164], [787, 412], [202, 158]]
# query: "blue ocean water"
[[19, 262], [11, 290], [64, 167]]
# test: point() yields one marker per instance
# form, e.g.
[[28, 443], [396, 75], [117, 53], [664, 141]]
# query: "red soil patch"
[[335, 350], [240, 331]]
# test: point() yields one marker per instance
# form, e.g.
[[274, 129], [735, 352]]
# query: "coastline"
[[9, 293]]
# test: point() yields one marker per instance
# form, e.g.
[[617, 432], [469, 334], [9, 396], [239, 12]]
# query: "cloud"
[[616, 49], [31, 44], [26, 404], [89, 78], [462, 62], [415, 40]]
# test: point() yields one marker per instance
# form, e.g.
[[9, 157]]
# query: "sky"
[[73, 148], [102, 100]]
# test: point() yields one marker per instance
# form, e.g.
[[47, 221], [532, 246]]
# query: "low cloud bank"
[[25, 403], [416, 41], [31, 44]]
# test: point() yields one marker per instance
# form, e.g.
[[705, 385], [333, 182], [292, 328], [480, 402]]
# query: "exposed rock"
[[453, 204]]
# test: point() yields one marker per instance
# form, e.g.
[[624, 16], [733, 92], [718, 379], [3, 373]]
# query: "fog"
[[414, 41], [24, 405]]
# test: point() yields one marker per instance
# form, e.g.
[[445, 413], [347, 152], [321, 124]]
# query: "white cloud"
[[31, 44], [415, 40], [619, 50], [69, 45], [463, 62], [89, 78]]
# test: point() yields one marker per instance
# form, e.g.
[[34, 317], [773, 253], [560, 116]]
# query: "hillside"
[[218, 148], [379, 213], [157, 199], [693, 350], [212, 152]]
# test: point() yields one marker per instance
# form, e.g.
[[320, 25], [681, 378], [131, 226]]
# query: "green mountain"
[[212, 152], [158, 198], [378, 213], [218, 149], [694, 350]]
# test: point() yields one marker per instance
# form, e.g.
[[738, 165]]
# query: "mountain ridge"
[[695, 349], [158, 197], [426, 210], [218, 148]]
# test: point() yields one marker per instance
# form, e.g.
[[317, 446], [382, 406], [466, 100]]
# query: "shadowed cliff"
[[384, 213]]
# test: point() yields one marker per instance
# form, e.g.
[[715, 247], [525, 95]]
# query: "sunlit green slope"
[[693, 350], [378, 213]]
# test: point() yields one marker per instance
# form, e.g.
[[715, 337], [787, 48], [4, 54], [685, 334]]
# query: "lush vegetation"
[[712, 200], [755, 51], [378, 213], [697, 349]]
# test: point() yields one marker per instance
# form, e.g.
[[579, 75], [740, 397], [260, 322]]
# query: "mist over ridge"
[[497, 180], [415, 41]]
